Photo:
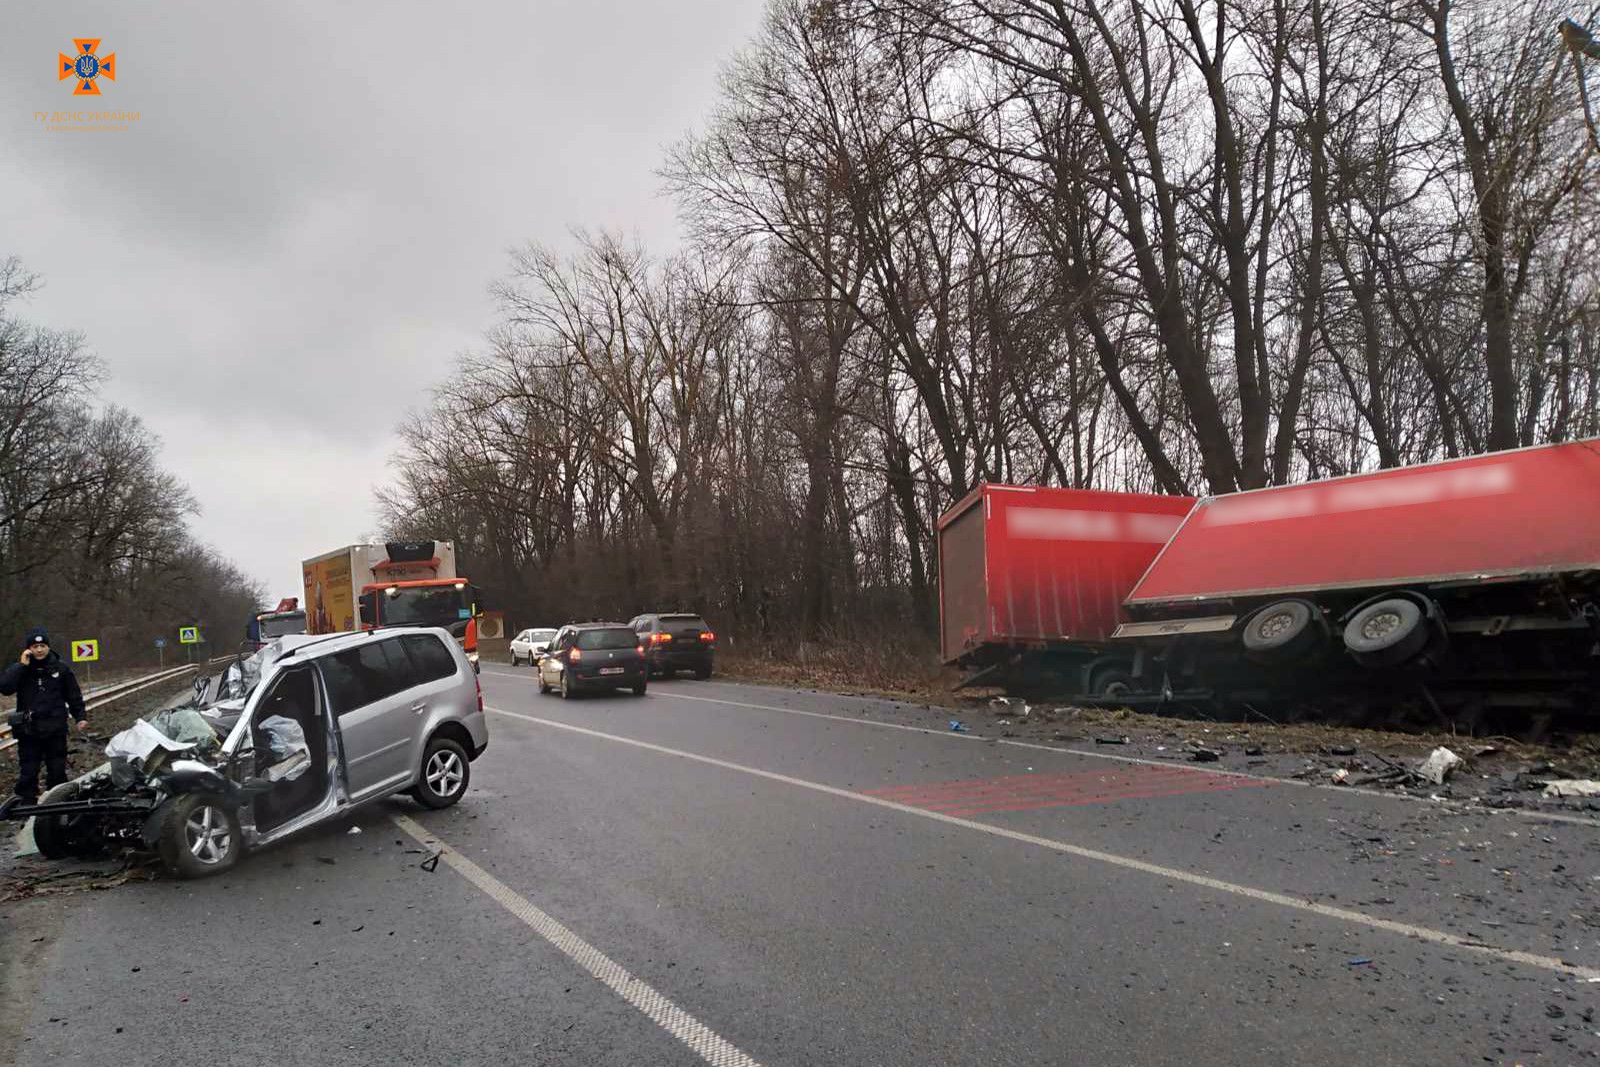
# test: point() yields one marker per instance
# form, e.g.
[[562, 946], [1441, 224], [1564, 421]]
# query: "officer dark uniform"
[[47, 694]]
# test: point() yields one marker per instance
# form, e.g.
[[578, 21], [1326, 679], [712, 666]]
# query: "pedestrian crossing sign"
[[188, 635], [87, 651]]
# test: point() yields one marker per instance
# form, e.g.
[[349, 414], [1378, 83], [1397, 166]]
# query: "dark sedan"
[[594, 656]]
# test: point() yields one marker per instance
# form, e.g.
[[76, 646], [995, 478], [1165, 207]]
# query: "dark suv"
[[677, 642], [591, 656]]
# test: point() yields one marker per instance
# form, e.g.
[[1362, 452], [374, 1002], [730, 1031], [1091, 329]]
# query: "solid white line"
[[1457, 806], [1267, 896], [705, 1043]]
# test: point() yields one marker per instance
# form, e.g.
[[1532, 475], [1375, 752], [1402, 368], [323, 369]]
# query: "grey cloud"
[[296, 239]]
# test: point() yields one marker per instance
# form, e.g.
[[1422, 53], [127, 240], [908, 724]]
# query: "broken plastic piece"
[[957, 726], [431, 864], [1572, 787], [1437, 767]]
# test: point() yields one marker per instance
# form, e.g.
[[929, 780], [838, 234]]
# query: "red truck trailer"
[[1472, 581], [1031, 580]]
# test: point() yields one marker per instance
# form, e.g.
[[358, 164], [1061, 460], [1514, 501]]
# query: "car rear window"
[[608, 638], [684, 621], [429, 656]]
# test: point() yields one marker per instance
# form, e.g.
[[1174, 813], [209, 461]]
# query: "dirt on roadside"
[[1499, 772]]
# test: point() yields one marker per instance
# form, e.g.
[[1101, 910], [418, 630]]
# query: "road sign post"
[[86, 650], [161, 651], [189, 636]]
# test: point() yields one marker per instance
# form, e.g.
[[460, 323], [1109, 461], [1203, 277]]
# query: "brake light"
[[660, 639], [707, 635], [639, 649], [577, 654]]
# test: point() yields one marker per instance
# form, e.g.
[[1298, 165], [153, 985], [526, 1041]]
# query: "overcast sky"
[[295, 240]]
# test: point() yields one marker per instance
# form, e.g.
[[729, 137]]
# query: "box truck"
[[396, 583]]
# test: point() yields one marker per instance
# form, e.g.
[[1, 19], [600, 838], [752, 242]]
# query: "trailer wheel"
[[1287, 629], [1112, 681], [1387, 632]]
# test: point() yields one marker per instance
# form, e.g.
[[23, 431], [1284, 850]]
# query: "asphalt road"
[[730, 874]]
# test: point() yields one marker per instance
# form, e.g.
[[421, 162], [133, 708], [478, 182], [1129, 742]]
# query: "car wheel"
[[639, 690], [445, 774], [200, 836], [703, 673], [61, 837], [544, 686], [567, 690]]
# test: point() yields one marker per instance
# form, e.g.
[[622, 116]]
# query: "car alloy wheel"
[[444, 772], [208, 836]]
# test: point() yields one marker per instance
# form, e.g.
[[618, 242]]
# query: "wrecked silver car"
[[301, 732]]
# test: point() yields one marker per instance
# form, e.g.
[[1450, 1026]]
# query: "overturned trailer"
[[1471, 582]]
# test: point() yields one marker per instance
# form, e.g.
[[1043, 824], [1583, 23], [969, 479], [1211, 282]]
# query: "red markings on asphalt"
[[1029, 792]]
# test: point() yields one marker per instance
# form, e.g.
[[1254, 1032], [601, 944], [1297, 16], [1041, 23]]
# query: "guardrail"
[[110, 694]]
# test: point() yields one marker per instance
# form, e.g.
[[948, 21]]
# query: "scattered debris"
[[1439, 764], [1111, 740], [1572, 787], [1342, 750], [1254, 750], [354, 830], [1340, 777], [1205, 755], [431, 864], [958, 727], [1359, 961]]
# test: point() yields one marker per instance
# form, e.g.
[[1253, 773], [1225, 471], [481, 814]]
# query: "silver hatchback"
[[315, 727]]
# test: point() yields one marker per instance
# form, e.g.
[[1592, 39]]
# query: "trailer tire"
[[1112, 681], [1388, 632], [1284, 630]]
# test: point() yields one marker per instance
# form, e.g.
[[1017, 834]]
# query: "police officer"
[[47, 694]]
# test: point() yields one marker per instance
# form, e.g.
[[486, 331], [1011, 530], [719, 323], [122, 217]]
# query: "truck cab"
[[449, 603], [285, 619]]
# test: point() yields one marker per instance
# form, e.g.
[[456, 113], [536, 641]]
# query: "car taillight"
[[661, 639], [577, 654], [707, 635], [639, 649]]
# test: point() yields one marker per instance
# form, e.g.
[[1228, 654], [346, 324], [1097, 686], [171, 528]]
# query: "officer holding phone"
[[47, 695]]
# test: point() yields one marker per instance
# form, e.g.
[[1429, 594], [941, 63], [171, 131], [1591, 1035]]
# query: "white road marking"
[[1344, 790], [1266, 896], [705, 1043]]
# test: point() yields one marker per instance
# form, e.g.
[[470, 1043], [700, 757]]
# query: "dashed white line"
[[705, 1042], [1266, 896]]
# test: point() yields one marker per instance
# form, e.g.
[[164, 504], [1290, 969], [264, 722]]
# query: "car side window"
[[430, 660], [365, 675]]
